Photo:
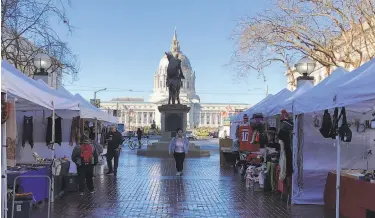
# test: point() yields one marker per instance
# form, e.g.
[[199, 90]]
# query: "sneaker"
[[181, 173], [178, 174], [109, 172], [81, 194]]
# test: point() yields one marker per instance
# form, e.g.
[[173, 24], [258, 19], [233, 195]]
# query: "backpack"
[[87, 153], [344, 130], [326, 127]]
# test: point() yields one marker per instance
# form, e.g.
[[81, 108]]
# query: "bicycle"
[[127, 139], [132, 144], [145, 140]]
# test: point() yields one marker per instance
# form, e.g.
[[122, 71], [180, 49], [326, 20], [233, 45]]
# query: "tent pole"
[[53, 154], [338, 173], [4, 203], [96, 130]]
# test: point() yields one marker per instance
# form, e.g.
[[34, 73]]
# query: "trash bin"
[[71, 182], [22, 209]]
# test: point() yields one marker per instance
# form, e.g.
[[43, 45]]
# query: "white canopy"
[[88, 110], [101, 115], [351, 88], [17, 84], [274, 107], [288, 104], [250, 111]]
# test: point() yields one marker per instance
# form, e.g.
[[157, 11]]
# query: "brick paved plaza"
[[148, 187]]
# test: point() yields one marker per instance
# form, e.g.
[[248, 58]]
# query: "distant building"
[[135, 112]]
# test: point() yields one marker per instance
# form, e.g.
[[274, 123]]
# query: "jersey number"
[[245, 136]]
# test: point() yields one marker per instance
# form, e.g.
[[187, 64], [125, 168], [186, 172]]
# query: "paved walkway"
[[147, 187]]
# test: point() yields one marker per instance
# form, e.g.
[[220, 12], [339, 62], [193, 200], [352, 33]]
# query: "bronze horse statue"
[[174, 77]]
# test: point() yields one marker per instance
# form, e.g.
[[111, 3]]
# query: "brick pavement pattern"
[[148, 187]]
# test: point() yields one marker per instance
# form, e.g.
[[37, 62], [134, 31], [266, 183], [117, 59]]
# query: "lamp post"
[[95, 92], [42, 62], [305, 66]]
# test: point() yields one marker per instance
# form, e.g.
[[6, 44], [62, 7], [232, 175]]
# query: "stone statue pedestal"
[[172, 118]]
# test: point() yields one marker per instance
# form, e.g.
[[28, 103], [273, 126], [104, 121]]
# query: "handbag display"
[[344, 131]]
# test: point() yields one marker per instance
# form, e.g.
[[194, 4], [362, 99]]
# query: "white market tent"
[[288, 104], [103, 116], [88, 111], [21, 86], [274, 107], [315, 156], [323, 98], [30, 96], [250, 111]]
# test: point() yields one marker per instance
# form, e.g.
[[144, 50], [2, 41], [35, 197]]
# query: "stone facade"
[[140, 113]]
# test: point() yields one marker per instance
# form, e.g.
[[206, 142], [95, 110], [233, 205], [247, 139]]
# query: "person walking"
[[179, 147], [85, 156], [114, 140], [139, 137]]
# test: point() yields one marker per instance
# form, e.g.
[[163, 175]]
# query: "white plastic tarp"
[[335, 94], [274, 107], [19, 85]]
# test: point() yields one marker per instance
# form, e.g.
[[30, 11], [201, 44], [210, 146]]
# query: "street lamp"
[[100, 90], [42, 62], [305, 66]]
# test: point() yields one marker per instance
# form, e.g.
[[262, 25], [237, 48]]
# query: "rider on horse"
[[180, 75]]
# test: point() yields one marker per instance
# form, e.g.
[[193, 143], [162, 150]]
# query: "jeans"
[[86, 174], [112, 155], [179, 158]]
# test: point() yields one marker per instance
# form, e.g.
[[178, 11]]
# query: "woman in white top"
[[179, 147]]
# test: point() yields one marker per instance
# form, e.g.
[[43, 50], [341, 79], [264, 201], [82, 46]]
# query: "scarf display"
[[11, 134]]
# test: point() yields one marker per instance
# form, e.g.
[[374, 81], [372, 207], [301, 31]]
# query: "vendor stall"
[[31, 104], [317, 155]]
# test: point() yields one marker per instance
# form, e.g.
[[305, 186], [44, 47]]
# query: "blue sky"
[[120, 44]]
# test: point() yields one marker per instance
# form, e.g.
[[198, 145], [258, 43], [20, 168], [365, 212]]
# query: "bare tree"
[[332, 32], [27, 30]]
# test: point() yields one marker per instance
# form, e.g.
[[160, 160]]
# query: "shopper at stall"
[[85, 156], [179, 147], [114, 140]]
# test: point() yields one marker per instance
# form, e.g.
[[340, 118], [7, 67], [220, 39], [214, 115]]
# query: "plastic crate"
[[71, 183], [22, 209]]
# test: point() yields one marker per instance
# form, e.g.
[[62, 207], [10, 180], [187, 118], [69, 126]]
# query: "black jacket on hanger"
[[58, 132], [27, 135]]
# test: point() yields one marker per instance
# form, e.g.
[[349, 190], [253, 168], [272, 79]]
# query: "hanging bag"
[[344, 131], [335, 124], [326, 124]]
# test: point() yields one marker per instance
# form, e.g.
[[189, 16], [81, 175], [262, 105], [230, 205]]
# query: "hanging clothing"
[[58, 132], [74, 131], [282, 161], [27, 135], [11, 135]]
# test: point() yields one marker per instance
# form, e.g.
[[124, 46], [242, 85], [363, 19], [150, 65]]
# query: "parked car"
[[190, 135]]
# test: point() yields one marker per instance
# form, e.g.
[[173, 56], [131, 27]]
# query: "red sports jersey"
[[245, 137]]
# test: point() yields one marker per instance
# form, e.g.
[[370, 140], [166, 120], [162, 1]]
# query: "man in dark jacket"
[[85, 156], [114, 140]]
